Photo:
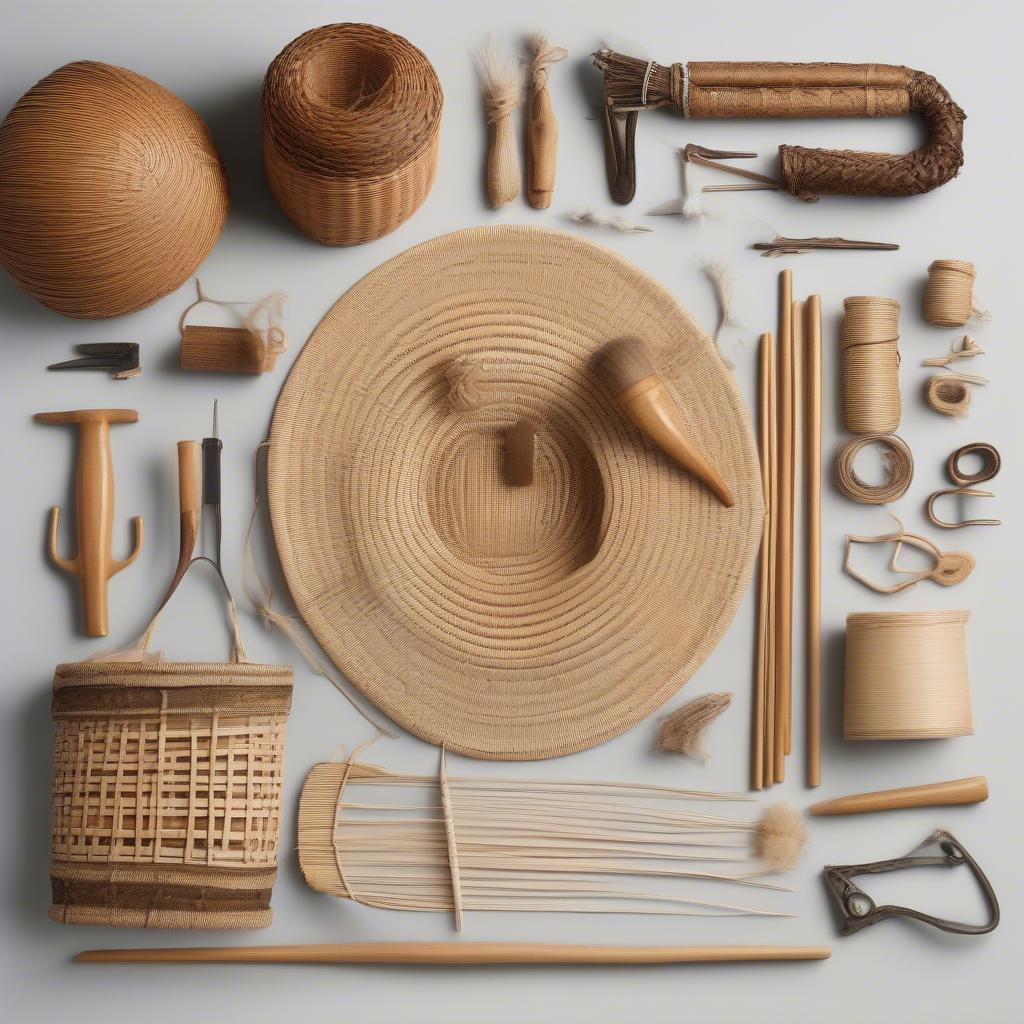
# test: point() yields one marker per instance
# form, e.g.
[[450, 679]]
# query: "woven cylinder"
[[351, 124], [949, 293], [111, 191], [167, 792], [906, 676], [507, 620], [871, 364]]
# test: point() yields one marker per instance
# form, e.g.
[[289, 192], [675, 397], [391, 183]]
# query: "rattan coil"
[[948, 394], [949, 294], [508, 621], [871, 364], [351, 124], [111, 191], [899, 466], [906, 676]]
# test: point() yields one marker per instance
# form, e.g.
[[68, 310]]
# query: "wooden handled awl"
[[973, 790], [646, 400], [94, 501], [456, 953]]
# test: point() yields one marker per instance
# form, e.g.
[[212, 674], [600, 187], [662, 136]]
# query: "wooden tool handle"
[[542, 148], [503, 172], [457, 953], [89, 416], [189, 496], [972, 790]]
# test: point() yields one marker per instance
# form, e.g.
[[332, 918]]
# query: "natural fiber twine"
[[351, 123], [111, 191], [506, 621], [906, 676], [871, 364], [899, 469], [949, 293]]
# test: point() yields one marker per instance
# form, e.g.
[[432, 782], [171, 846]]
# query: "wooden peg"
[[973, 790], [94, 501], [520, 451]]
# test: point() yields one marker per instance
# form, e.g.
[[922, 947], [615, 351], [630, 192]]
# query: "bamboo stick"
[[797, 322], [456, 953], [773, 515], [784, 530], [761, 678], [813, 475], [936, 794]]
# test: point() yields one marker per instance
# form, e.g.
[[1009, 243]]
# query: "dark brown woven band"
[[224, 700], [125, 896]]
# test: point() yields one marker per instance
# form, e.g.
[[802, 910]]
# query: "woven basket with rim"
[[111, 191], [351, 123], [167, 789], [507, 621]]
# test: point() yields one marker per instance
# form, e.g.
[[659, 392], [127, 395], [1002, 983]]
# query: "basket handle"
[[139, 651]]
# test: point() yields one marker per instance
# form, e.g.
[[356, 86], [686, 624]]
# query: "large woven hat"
[[502, 620]]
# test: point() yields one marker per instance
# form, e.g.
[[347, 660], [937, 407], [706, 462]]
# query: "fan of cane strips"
[[111, 191], [351, 122], [507, 621], [167, 793]]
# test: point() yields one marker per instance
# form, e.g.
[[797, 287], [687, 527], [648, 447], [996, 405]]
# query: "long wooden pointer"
[[94, 511]]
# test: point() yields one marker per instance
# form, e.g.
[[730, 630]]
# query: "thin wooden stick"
[[773, 515], [797, 322], [784, 529], [456, 953], [761, 678], [813, 472]]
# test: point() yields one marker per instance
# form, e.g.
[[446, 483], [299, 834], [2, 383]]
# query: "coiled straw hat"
[[506, 619]]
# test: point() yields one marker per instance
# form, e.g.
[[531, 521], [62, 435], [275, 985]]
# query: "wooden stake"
[[813, 475], [784, 528]]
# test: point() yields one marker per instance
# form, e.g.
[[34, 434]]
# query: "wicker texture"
[[167, 792], [111, 191], [508, 621], [351, 124]]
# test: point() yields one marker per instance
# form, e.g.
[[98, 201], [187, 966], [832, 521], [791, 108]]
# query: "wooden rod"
[[455, 953], [784, 530], [767, 355], [796, 397], [812, 470], [973, 790], [773, 514]]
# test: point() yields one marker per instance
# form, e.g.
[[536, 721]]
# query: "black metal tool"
[[212, 448], [857, 909], [120, 358]]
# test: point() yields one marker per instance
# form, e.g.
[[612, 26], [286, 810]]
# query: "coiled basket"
[[351, 123]]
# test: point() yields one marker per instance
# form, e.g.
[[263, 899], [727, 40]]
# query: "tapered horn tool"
[[630, 371]]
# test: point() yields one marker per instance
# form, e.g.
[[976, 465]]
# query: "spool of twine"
[[948, 394], [351, 121], [949, 294], [899, 466], [906, 676], [871, 361]]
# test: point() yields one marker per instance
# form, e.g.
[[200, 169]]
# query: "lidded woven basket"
[[111, 191], [167, 790], [351, 124]]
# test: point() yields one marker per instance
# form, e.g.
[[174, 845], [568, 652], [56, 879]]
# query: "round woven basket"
[[507, 621], [111, 191], [351, 122]]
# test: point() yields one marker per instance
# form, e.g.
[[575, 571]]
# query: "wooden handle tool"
[[973, 790], [94, 501], [646, 400], [456, 953], [542, 126], [189, 502]]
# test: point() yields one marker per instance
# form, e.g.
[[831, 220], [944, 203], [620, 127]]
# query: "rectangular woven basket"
[[167, 791]]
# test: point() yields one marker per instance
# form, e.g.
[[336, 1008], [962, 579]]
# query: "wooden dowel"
[[455, 953], [796, 395], [812, 452], [936, 794], [773, 511], [761, 670], [784, 530]]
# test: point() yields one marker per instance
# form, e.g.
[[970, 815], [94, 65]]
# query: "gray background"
[[214, 57]]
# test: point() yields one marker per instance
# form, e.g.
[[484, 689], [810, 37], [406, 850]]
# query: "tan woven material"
[[351, 123], [949, 294], [906, 676], [111, 191], [871, 364], [166, 790], [508, 621]]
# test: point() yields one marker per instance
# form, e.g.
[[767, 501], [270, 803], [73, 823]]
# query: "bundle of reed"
[[351, 122], [457, 844], [726, 89], [792, 380]]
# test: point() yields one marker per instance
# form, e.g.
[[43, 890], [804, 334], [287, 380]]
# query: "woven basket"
[[351, 123], [508, 621], [167, 790], [111, 191]]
